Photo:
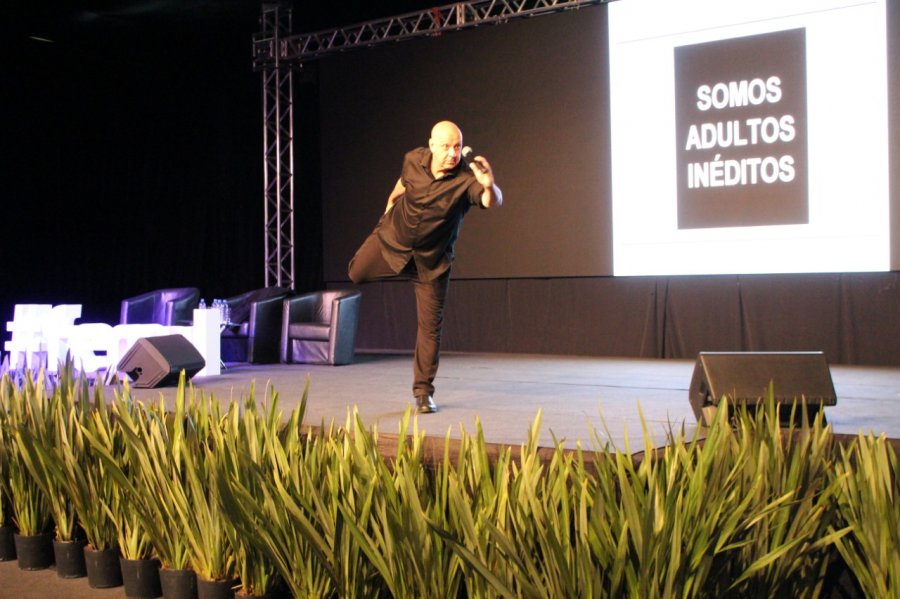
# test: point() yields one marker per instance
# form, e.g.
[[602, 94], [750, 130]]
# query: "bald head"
[[446, 147], [444, 129]]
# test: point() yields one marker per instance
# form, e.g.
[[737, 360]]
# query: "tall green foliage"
[[151, 474], [201, 519], [478, 506], [26, 409], [869, 502], [99, 500], [750, 509], [71, 470], [303, 492], [746, 512], [41, 440], [243, 445], [786, 471], [396, 536], [5, 451], [171, 464]]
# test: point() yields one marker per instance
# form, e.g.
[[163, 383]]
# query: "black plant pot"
[[178, 584], [34, 552], [7, 544], [69, 557], [103, 569], [141, 578], [215, 589]]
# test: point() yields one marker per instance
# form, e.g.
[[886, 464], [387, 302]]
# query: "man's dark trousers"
[[369, 265]]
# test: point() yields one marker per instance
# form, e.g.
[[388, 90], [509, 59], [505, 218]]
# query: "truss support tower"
[[278, 143]]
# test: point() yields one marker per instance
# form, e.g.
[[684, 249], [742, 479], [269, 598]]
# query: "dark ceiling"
[[142, 23]]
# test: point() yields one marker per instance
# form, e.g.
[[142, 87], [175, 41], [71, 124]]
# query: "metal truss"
[[277, 53], [433, 21], [278, 148]]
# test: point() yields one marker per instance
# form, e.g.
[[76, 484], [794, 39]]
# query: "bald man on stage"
[[415, 236]]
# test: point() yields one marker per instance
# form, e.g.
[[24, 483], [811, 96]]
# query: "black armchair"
[[164, 306], [320, 327], [254, 333]]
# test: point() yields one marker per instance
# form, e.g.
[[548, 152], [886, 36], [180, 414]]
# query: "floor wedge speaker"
[[744, 377], [157, 361]]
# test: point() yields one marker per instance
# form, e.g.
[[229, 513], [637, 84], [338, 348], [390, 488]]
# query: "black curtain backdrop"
[[132, 163], [853, 318]]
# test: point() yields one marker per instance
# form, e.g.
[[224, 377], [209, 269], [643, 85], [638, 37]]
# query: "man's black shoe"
[[425, 404]]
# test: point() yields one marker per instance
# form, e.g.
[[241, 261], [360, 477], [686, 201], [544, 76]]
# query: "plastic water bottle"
[[219, 304], [202, 305]]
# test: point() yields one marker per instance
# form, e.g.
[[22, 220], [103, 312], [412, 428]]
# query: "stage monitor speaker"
[[744, 377], [158, 361]]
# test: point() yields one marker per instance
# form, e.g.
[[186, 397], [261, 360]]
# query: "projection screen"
[[749, 137]]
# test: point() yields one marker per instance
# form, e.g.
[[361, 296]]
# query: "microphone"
[[467, 153]]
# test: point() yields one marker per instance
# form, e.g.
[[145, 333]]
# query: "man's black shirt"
[[424, 222]]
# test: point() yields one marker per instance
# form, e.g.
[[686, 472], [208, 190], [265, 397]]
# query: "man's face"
[[446, 149]]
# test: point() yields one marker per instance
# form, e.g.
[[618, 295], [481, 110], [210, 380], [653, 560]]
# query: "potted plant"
[[201, 517], [71, 470], [868, 472], [44, 450], [138, 564], [96, 493], [26, 408], [240, 444], [282, 497], [7, 544], [140, 569], [150, 477]]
